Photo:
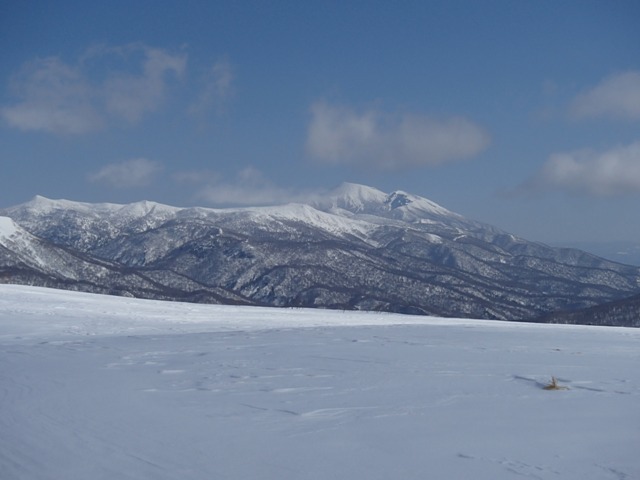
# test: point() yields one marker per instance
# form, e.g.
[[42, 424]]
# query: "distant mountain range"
[[624, 312], [622, 252], [355, 248]]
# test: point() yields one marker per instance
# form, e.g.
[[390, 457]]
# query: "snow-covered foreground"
[[95, 387]]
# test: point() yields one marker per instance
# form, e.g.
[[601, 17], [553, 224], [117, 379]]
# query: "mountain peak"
[[416, 205], [145, 207], [45, 205], [39, 202], [355, 197], [399, 205]]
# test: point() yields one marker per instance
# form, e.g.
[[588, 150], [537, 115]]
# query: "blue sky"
[[524, 115]]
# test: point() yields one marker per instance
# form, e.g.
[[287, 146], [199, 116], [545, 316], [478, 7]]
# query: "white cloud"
[[130, 96], [137, 172], [340, 135], [613, 172], [616, 96], [55, 97], [249, 188], [217, 88], [64, 98]]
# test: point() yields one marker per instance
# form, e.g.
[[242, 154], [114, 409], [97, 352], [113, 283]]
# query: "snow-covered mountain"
[[355, 248], [625, 312], [352, 199], [621, 252], [29, 259]]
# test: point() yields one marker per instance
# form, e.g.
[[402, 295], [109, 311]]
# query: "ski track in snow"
[[96, 387]]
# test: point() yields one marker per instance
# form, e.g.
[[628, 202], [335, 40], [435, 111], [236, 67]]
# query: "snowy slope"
[[29, 250], [8, 228], [97, 387]]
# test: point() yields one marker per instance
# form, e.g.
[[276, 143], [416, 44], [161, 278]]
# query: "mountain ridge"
[[354, 248]]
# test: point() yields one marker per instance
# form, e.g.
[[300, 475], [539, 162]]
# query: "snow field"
[[96, 387]]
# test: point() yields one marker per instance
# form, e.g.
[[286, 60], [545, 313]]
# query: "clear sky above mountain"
[[524, 115]]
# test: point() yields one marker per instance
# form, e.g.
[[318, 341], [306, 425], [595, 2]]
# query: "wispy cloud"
[[136, 172], [612, 172], [132, 95], [374, 139], [64, 98], [54, 97], [249, 188], [216, 89], [616, 96]]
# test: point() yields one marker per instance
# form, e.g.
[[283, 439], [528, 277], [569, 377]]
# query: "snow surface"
[[8, 228], [333, 224], [97, 387]]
